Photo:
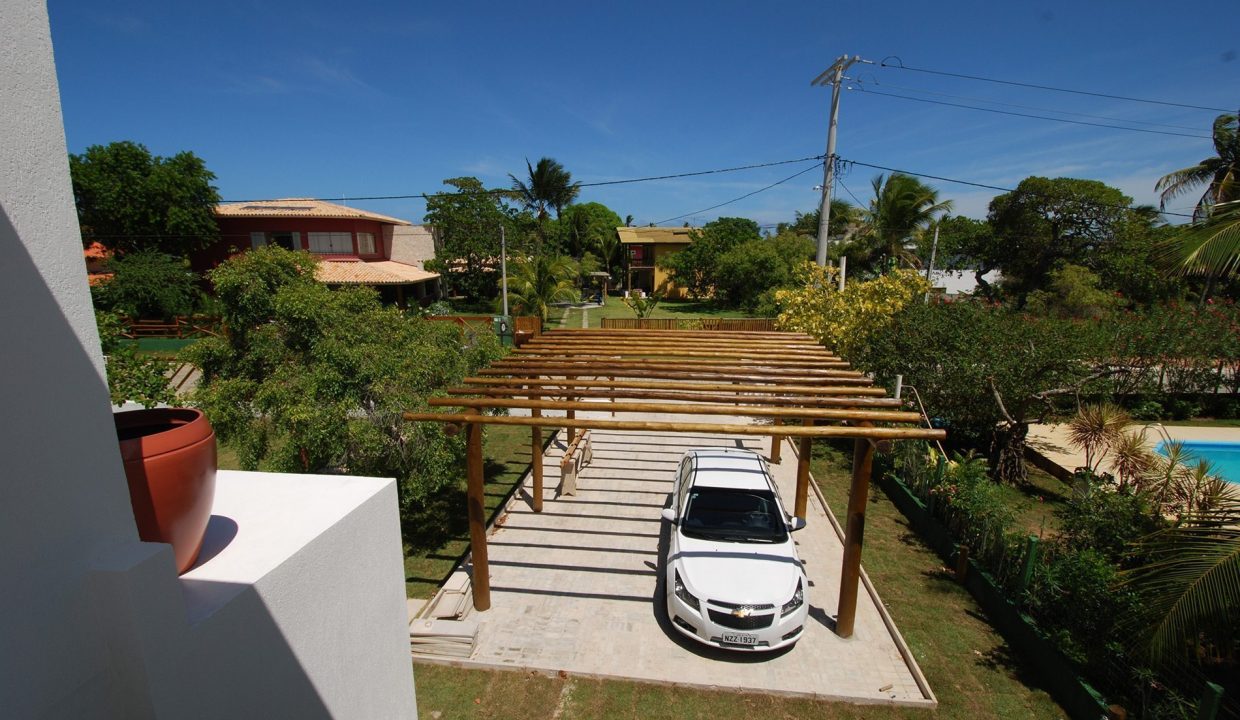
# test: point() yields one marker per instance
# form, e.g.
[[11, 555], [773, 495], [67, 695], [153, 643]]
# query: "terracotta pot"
[[169, 456]]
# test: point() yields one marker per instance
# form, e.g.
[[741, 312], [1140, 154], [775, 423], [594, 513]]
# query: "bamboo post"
[[613, 399], [481, 580], [536, 462], [803, 454], [570, 431], [776, 444], [854, 534]]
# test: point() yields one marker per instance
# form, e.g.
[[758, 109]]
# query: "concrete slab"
[[576, 587]]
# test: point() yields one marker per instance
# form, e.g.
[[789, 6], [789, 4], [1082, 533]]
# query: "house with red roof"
[[354, 246]]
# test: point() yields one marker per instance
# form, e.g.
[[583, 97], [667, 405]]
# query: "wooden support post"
[[803, 454], [481, 580], [854, 534], [777, 443], [570, 432], [536, 462], [962, 562], [613, 399]]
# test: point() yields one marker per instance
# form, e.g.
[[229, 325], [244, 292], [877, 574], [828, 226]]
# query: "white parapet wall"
[[297, 606]]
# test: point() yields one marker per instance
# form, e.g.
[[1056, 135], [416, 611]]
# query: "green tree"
[[695, 267], [590, 227], [902, 207], [1220, 174], [986, 371], [843, 222], [748, 275], [537, 282], [148, 284], [1045, 223], [130, 200], [1072, 292], [311, 379], [467, 222], [1209, 248]]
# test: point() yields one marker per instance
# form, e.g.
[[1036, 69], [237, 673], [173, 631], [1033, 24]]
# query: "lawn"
[[969, 666], [614, 307]]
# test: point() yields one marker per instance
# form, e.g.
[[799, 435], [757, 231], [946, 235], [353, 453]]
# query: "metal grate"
[[751, 622]]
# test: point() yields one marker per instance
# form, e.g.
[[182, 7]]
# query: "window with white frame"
[[331, 243], [365, 243]]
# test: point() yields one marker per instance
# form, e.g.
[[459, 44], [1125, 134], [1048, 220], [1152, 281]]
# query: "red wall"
[[235, 237]]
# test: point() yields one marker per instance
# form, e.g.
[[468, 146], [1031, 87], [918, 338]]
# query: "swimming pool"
[[1224, 455]]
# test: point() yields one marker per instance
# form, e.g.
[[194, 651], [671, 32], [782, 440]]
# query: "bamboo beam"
[[616, 332], [571, 406], [854, 534], [536, 462], [772, 358], [551, 367], [640, 372], [680, 344], [481, 579], [831, 431], [743, 399], [777, 442], [806, 343], [691, 386], [804, 453]]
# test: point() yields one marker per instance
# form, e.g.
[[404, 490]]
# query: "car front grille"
[[734, 606], [749, 622]]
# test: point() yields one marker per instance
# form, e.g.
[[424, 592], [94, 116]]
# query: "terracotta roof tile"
[[378, 272], [300, 207]]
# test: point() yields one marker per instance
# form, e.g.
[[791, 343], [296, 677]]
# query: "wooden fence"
[[706, 323], [180, 327]]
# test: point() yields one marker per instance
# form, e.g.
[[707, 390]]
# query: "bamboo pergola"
[[786, 378]]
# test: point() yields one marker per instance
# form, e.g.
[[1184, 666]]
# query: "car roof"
[[729, 469]]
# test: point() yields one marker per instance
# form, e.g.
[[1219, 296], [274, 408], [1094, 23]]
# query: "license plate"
[[740, 639]]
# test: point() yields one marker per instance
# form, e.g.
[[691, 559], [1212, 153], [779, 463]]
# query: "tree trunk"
[[1007, 453]]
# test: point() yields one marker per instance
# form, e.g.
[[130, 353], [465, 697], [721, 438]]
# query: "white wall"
[[94, 623], [63, 496], [412, 244]]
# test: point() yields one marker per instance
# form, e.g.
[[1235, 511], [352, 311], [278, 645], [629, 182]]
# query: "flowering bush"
[[843, 320]]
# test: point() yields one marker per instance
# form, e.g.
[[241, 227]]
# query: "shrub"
[[131, 377], [846, 320], [1074, 596], [1147, 410], [1106, 522], [148, 285]]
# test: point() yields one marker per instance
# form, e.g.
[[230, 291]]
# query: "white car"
[[734, 579]]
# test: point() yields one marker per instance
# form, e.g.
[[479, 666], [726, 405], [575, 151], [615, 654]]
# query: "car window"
[[733, 515]]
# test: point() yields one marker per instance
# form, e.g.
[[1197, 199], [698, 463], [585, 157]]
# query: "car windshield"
[[733, 515]]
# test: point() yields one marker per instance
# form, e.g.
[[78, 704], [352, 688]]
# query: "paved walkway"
[[575, 588]]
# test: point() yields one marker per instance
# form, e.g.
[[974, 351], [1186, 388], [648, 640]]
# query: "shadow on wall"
[[94, 622]]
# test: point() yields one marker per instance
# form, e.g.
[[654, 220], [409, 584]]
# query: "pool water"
[[1224, 455]]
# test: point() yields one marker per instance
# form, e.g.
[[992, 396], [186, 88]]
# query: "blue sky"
[[359, 99]]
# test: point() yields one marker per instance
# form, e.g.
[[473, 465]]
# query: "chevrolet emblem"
[[742, 612]]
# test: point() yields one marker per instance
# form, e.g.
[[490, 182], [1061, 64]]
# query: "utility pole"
[[503, 267], [934, 247], [836, 73]]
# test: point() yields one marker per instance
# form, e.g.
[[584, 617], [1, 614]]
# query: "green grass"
[[506, 451], [614, 307], [969, 666], [166, 348]]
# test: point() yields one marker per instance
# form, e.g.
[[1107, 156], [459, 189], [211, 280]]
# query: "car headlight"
[[798, 599], [683, 593]]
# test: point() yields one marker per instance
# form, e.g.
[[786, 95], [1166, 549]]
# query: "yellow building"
[[643, 248]]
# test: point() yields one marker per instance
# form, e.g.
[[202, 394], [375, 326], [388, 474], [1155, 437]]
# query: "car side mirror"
[[796, 524], [669, 515]]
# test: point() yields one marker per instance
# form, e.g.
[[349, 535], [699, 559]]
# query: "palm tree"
[[1188, 586], [548, 185], [1211, 247], [902, 206], [536, 283], [1220, 174], [1095, 429]]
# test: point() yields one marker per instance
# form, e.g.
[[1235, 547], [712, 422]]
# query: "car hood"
[[741, 573]]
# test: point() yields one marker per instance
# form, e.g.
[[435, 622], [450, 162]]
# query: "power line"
[[899, 65], [746, 195], [861, 81], [506, 191], [1029, 115], [850, 194], [988, 187]]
